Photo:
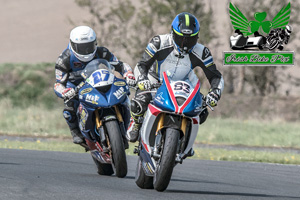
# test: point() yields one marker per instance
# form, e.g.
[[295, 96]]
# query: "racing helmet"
[[83, 42], [288, 29], [185, 30]]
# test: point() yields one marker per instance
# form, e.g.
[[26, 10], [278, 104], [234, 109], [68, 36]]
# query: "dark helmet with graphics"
[[185, 30]]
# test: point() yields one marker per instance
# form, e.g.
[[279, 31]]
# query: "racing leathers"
[[68, 70], [161, 54]]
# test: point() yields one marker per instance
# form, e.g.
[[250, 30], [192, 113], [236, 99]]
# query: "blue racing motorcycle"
[[103, 116]]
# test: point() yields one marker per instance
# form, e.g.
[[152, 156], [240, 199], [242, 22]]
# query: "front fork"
[[158, 139], [99, 125]]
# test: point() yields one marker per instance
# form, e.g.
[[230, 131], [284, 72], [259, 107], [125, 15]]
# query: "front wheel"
[[273, 44], [117, 148], [166, 163]]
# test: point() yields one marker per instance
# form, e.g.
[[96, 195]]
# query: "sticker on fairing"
[[120, 83], [119, 93], [87, 90]]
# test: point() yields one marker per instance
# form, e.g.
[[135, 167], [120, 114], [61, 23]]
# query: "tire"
[[141, 180], [273, 44], [117, 148], [166, 164], [103, 169]]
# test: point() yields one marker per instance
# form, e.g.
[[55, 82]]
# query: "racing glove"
[[68, 93], [130, 79], [213, 97], [143, 83]]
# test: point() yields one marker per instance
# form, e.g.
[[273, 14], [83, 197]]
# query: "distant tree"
[[127, 25]]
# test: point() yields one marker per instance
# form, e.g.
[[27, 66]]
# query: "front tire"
[[166, 163], [117, 148], [141, 180]]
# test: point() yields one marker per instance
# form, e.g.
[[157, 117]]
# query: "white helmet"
[[288, 29], [83, 42]]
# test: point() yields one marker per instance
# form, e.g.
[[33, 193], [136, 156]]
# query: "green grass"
[[249, 133], [34, 120], [66, 146], [28, 84], [246, 155]]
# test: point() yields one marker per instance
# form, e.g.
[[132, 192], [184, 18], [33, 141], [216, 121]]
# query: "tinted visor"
[[84, 48], [185, 41]]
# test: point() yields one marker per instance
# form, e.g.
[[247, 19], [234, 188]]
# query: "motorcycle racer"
[[178, 49], [82, 49]]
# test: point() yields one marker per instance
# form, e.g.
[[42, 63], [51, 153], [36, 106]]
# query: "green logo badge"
[[259, 34]]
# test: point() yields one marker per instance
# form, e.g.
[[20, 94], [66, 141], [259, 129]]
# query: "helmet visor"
[[185, 42], [84, 48]]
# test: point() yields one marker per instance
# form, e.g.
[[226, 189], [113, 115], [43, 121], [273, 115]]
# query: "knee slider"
[[138, 107], [69, 112]]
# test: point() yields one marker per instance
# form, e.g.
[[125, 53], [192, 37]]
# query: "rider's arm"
[[148, 58], [62, 68], [201, 57], [104, 53]]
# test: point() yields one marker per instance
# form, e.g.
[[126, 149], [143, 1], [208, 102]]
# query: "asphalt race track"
[[29, 175]]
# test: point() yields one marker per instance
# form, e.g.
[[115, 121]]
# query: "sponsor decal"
[[119, 93], [92, 99], [159, 98], [120, 83], [87, 90], [83, 116]]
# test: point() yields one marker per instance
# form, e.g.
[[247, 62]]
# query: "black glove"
[[143, 83], [213, 97]]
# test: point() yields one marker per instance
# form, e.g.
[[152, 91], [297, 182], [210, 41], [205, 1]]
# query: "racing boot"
[[77, 136], [133, 130]]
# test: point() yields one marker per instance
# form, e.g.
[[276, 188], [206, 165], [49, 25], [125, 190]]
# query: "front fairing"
[[115, 95], [166, 95]]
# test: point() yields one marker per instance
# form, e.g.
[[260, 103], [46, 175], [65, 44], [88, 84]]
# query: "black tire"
[[103, 169], [117, 148], [273, 44], [166, 164], [141, 180]]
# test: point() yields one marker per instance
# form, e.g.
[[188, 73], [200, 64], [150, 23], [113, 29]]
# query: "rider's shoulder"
[[103, 52], [65, 54], [101, 49], [63, 60], [201, 51], [161, 41]]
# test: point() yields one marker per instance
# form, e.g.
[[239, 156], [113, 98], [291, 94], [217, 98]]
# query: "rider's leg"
[[69, 114], [138, 106]]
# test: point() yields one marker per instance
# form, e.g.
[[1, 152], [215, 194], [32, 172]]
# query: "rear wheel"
[[117, 148], [103, 169], [143, 181], [166, 163]]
